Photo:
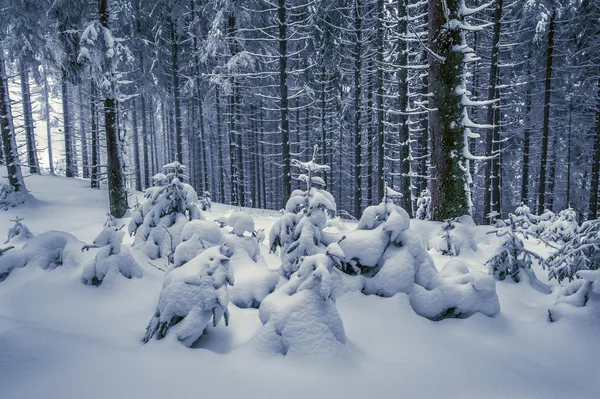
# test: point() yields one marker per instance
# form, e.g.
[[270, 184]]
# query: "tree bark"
[[32, 156], [593, 212], [94, 177], [283, 104], [357, 110]]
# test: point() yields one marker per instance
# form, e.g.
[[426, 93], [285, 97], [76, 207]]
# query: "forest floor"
[[62, 339]]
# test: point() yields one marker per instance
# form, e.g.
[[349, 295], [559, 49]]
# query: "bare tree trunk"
[[176, 94], [136, 146], [526, 137], [7, 130], [48, 121], [546, 125], [84, 147], [379, 104], [404, 134], [283, 104], [220, 147], [95, 178], [32, 156], [595, 165], [69, 172], [357, 109]]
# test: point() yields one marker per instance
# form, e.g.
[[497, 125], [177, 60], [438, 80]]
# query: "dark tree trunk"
[[220, 147], [449, 197], [357, 109], [32, 156], [283, 104], [546, 124], [370, 134], [490, 201], [145, 151], [69, 172], [95, 178], [7, 131], [115, 174], [84, 145], [48, 121], [136, 146], [403, 130], [176, 94], [595, 165], [379, 104], [526, 138]]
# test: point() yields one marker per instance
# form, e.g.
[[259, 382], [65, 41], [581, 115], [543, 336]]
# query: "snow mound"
[[48, 250], [191, 296], [111, 260], [300, 319], [196, 237], [240, 222], [455, 236]]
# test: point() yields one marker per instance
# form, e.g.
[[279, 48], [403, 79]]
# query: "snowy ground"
[[62, 339]]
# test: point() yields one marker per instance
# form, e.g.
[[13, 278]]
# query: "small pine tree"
[[423, 205], [158, 222], [112, 258], [191, 296], [448, 244], [563, 228], [582, 252], [18, 232], [512, 259], [298, 232]]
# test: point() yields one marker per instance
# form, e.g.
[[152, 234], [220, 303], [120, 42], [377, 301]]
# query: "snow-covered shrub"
[[523, 219], [545, 220], [391, 259], [458, 293], [299, 231], [191, 296], [240, 222], [9, 198], [583, 291], [18, 233], [512, 259], [563, 228], [300, 319], [204, 201], [582, 252], [423, 205], [158, 222], [111, 259], [453, 237], [196, 237], [48, 250]]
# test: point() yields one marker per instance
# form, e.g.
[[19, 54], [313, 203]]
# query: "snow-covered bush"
[[111, 259], [299, 231], [512, 259], [240, 222], [391, 259], [523, 219], [457, 293], [48, 250], [158, 222], [300, 319], [9, 198], [18, 233], [545, 220], [582, 252], [453, 237], [204, 201], [423, 205], [196, 237], [191, 296], [563, 228], [583, 291]]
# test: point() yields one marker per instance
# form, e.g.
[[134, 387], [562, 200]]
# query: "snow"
[[80, 341]]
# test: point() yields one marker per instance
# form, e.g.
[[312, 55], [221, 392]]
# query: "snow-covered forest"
[[381, 198]]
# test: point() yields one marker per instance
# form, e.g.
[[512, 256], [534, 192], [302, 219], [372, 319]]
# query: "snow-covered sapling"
[[423, 205], [196, 237], [19, 232], [158, 222], [191, 296], [512, 259], [582, 252], [300, 319], [204, 201], [299, 231], [111, 259], [563, 228]]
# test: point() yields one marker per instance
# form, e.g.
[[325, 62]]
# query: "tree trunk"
[[32, 156], [220, 147], [176, 94], [136, 146], [546, 125], [379, 104], [490, 180], [283, 104], [84, 147], [95, 178], [7, 129], [370, 134], [69, 172], [595, 165], [403, 130], [48, 121], [115, 174], [448, 186], [357, 110], [526, 137]]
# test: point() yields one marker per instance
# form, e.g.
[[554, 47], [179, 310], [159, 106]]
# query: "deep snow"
[[62, 339]]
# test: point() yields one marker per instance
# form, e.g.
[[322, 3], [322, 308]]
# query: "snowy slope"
[[62, 339]]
